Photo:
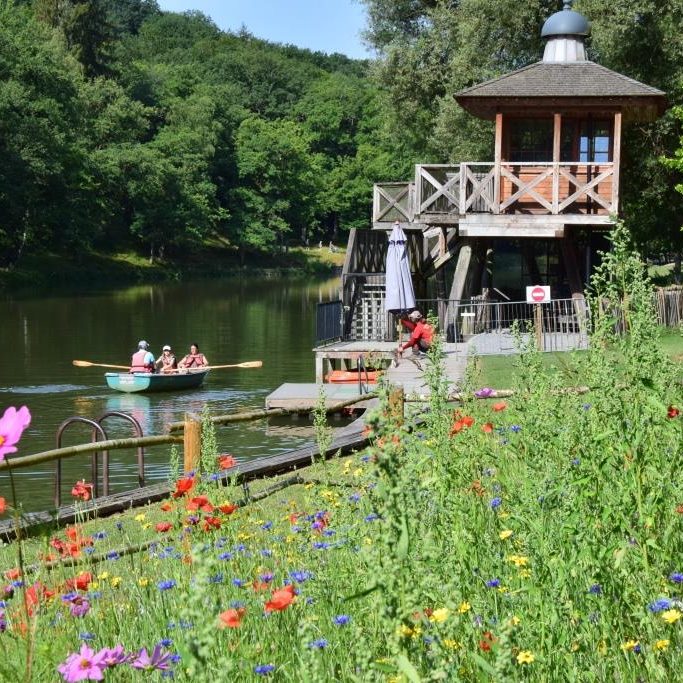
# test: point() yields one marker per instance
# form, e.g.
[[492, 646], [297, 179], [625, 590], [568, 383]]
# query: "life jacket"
[[427, 332], [137, 362], [168, 361], [194, 360]]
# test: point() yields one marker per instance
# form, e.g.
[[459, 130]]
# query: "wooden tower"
[[531, 214]]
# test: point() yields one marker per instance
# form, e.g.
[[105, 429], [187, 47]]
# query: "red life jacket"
[[426, 331], [194, 360], [137, 362]]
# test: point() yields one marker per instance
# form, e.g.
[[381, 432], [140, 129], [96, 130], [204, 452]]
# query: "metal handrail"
[[97, 431], [137, 428]]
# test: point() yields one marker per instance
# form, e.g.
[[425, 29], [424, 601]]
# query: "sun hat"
[[415, 315], [166, 348]]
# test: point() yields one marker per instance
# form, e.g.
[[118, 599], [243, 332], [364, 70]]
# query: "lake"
[[233, 321]]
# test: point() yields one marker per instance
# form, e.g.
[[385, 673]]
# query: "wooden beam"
[[192, 442], [497, 158], [616, 158], [571, 265], [557, 140]]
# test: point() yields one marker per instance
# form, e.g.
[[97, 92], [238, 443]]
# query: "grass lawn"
[[497, 371]]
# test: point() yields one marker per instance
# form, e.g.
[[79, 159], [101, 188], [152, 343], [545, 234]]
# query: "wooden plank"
[[497, 158], [616, 160], [557, 140]]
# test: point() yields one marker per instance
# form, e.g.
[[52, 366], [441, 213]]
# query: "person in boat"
[[143, 359], [166, 362], [194, 359], [421, 334]]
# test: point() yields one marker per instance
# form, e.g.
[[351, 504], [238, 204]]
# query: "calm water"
[[232, 321]]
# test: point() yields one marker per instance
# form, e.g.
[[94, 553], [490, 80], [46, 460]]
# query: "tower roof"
[[566, 23]]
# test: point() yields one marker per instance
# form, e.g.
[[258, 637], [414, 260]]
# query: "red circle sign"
[[538, 294]]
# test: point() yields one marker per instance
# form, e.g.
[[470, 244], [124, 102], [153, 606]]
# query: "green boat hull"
[[142, 382]]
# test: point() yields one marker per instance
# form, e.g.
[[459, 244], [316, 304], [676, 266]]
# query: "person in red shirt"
[[194, 359], [421, 334]]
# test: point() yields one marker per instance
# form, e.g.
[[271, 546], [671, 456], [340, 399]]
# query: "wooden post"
[[396, 405], [498, 153], [616, 157], [192, 442], [557, 140], [538, 325]]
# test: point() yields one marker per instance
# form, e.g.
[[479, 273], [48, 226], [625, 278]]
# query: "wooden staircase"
[[369, 321]]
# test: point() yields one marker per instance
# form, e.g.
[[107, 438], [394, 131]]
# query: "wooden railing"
[[533, 188]]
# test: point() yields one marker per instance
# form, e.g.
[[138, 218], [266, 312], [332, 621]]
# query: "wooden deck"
[[346, 440]]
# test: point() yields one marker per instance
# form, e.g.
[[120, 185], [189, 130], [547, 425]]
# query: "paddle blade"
[[82, 363], [251, 364]]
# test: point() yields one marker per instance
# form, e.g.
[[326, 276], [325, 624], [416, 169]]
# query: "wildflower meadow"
[[537, 538]]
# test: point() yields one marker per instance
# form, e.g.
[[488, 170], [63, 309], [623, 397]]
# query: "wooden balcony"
[[521, 196]]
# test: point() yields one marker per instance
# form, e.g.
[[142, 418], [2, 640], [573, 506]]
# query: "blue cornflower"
[[637, 648], [17, 584], [240, 548], [319, 644], [113, 555], [265, 552], [496, 502], [321, 545], [94, 595], [310, 600], [89, 550], [300, 576], [119, 525], [216, 578], [586, 406], [354, 497], [515, 428], [594, 617], [341, 619], [576, 461], [595, 589], [214, 477], [366, 458], [225, 556], [493, 583], [296, 529], [237, 604], [175, 658], [372, 517], [264, 669], [86, 636], [237, 582], [676, 577], [3, 604], [166, 585], [267, 526], [184, 624], [68, 597], [329, 532], [267, 577], [166, 642], [99, 535], [659, 605]]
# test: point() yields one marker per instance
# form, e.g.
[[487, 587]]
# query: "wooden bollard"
[[396, 405], [192, 442]]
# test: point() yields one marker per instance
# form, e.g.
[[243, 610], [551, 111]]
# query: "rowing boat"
[[144, 382]]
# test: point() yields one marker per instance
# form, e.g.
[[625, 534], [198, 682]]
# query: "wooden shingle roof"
[[584, 83]]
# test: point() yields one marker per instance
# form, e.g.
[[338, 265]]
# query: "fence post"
[[538, 326], [192, 442]]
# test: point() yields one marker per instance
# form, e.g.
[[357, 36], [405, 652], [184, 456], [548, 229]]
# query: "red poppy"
[[672, 412], [72, 532], [231, 618], [212, 523], [163, 527], [82, 490], [487, 641], [457, 427], [259, 586], [679, 509], [468, 421], [487, 428], [294, 517], [497, 407], [166, 507], [226, 461], [12, 574], [80, 582], [228, 508], [200, 503], [477, 488], [183, 486], [3, 505], [280, 599]]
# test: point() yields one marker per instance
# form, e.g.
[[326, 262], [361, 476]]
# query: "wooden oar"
[[247, 364], [88, 364]]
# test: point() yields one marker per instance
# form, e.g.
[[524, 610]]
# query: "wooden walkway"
[[348, 439]]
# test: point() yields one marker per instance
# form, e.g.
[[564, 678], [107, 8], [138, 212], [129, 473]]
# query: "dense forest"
[[125, 127]]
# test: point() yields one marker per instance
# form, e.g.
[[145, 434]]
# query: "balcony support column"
[[498, 155], [616, 157], [557, 141]]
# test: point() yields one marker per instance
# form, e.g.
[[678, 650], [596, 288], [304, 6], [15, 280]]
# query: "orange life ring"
[[351, 376]]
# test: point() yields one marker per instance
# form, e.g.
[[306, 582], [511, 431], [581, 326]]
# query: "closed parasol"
[[399, 292]]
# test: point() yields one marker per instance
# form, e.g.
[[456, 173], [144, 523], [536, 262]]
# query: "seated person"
[[421, 333], [143, 359], [194, 359], [166, 361]]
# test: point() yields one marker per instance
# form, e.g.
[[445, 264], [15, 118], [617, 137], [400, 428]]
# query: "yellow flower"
[[367, 541], [524, 573], [451, 644], [525, 657], [141, 517], [309, 485], [103, 576], [142, 582], [661, 644], [518, 560], [671, 616], [405, 630], [115, 581], [575, 647], [629, 645], [357, 472], [515, 621], [505, 534], [147, 525], [602, 648], [243, 536], [94, 585], [503, 589], [464, 607], [440, 615]]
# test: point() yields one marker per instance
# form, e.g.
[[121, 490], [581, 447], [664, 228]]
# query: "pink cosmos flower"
[[114, 656], [159, 659], [12, 424], [85, 665], [79, 606]]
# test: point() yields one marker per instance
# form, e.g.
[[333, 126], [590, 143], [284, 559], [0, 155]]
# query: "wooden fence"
[[669, 306]]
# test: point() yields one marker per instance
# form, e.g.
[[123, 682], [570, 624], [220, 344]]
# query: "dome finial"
[[568, 4]]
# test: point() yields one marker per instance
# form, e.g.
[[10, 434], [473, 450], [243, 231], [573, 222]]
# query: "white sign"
[[538, 294]]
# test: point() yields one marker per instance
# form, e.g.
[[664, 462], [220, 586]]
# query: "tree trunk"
[[151, 253], [677, 267]]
